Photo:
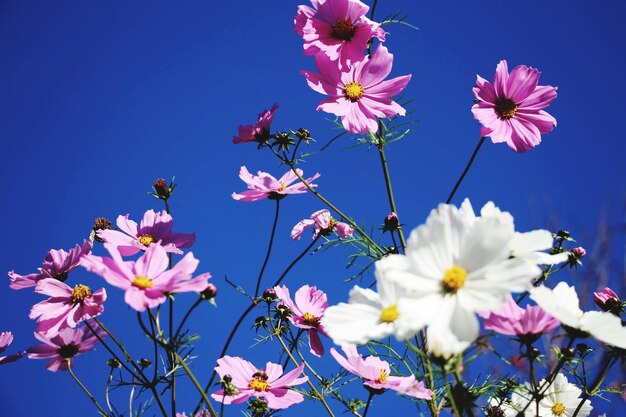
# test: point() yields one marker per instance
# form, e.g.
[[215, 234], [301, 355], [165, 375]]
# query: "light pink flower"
[[67, 307], [337, 28], [258, 132], [57, 264], [248, 381], [153, 228], [608, 300], [148, 280], [359, 95], [375, 373], [65, 345], [263, 185], [511, 109], [6, 338], [306, 312], [512, 320], [324, 225]]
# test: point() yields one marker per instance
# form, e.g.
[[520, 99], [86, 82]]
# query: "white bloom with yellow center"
[[560, 400]]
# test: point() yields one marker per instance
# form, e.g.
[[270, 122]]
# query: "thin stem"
[[610, 360], [106, 390], [195, 383], [269, 250], [93, 400], [383, 161], [187, 314], [122, 362], [367, 404], [171, 358], [373, 9], [130, 399], [467, 167]]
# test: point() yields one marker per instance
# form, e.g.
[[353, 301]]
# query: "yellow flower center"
[[310, 319], [453, 279], [506, 108], [146, 240], [389, 314], [353, 91], [343, 30], [558, 408], [142, 282], [383, 376], [80, 292], [282, 186], [259, 381]]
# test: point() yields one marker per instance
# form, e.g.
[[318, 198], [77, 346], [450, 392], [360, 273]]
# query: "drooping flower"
[[376, 373], [66, 307], [338, 29], [63, 346], [512, 320], [560, 400], [258, 132], [306, 312], [360, 94], [57, 264], [263, 185], [608, 300], [148, 280], [247, 381], [511, 110], [6, 338], [324, 226], [154, 228]]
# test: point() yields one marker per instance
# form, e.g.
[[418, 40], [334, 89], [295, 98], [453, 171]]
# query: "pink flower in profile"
[[511, 110], [608, 300], [337, 28], [360, 94], [306, 312], [67, 307], [513, 320], [57, 264], [63, 346], [263, 185], [247, 381], [153, 228], [258, 132], [6, 338], [375, 373], [148, 280], [324, 225]]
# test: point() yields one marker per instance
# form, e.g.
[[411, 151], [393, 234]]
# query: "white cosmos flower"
[[562, 303], [560, 400]]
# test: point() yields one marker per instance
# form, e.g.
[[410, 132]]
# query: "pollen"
[[343, 29], [558, 408], [454, 279], [506, 108], [389, 314], [259, 381], [142, 282], [353, 91], [146, 240], [79, 293], [311, 320], [383, 376], [282, 186]]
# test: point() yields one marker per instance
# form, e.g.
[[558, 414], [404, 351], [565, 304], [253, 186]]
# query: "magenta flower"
[[337, 28], [247, 381], [264, 185], [513, 320], [258, 132], [306, 312], [359, 95], [324, 225], [6, 338], [63, 346], [148, 280], [375, 373], [67, 307], [608, 300], [511, 109], [153, 228], [57, 264]]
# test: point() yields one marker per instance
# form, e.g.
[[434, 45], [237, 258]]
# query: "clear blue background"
[[98, 100]]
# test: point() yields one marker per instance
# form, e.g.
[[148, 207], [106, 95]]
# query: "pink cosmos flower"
[[148, 280], [324, 225], [513, 320], [337, 28], [511, 109], [67, 307], [358, 95], [57, 264], [608, 300], [248, 381], [263, 185], [65, 345], [375, 373], [258, 132], [306, 312], [6, 338], [153, 228]]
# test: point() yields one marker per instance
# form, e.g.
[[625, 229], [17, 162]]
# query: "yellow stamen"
[[142, 282], [146, 240], [383, 376], [454, 278], [80, 292], [310, 319], [389, 314], [353, 91], [558, 408], [259, 381], [282, 186]]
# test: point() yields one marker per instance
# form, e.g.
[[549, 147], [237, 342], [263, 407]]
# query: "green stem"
[[93, 400], [195, 383], [610, 360], [383, 160], [467, 167], [367, 404], [269, 250]]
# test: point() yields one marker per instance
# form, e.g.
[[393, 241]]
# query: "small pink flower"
[[375, 373], [579, 252], [306, 312], [148, 280], [263, 185], [6, 338], [153, 228], [248, 381], [337, 28], [57, 264], [513, 320], [511, 109], [63, 346], [324, 225], [67, 307], [608, 300], [258, 132], [359, 95]]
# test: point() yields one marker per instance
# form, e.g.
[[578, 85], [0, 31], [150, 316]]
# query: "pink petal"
[[522, 82]]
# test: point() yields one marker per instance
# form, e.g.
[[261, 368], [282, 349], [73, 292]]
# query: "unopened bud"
[[494, 411], [391, 222], [608, 300], [562, 234], [567, 353], [269, 295], [114, 363], [144, 363], [579, 252]]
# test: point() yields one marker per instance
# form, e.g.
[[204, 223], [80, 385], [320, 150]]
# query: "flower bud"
[[269, 295], [608, 300], [579, 252], [113, 363], [161, 188], [391, 222], [562, 234], [144, 363]]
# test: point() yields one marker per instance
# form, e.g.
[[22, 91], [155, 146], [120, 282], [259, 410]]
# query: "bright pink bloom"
[[65, 345], [248, 381], [358, 95], [6, 338], [148, 280], [67, 307], [258, 132], [153, 228], [337, 28], [511, 109], [263, 185], [306, 312], [607, 300], [513, 320], [57, 264], [375, 373], [324, 225]]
